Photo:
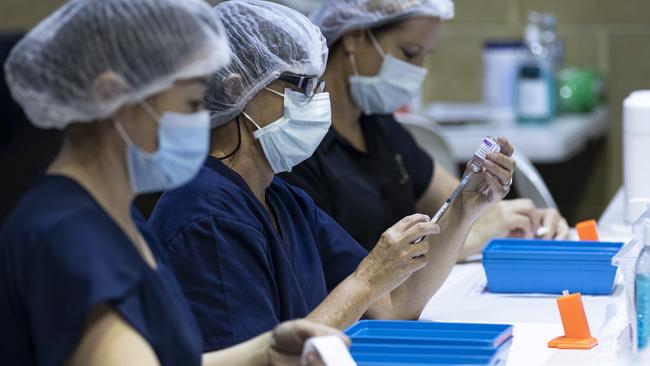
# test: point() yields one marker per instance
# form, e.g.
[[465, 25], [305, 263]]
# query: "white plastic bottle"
[[636, 139], [642, 289]]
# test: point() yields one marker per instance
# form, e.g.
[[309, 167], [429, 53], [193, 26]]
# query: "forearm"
[[473, 244], [345, 304], [250, 353], [410, 298]]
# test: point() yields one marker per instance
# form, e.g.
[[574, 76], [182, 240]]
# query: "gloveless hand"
[[520, 218], [288, 340], [394, 258]]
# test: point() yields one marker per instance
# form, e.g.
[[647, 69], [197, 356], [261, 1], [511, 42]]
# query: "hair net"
[[335, 17], [146, 45], [303, 6], [267, 40]]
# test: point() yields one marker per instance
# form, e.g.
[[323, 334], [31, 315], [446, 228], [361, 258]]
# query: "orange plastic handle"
[[573, 316], [587, 230]]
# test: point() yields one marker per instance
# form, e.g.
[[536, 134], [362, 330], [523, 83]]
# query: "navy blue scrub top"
[[240, 275], [60, 255], [382, 186]]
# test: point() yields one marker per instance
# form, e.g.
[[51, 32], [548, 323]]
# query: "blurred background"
[[605, 45], [610, 36]]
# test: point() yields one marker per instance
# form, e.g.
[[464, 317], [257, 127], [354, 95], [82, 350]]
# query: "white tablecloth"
[[536, 319]]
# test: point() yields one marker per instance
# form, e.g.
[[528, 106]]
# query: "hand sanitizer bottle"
[[642, 289]]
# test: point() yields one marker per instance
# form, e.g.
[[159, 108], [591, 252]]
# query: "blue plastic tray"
[[543, 266], [376, 342]]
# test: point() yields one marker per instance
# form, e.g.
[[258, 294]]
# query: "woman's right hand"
[[394, 258]]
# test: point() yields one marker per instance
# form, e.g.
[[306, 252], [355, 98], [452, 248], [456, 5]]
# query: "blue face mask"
[[183, 141]]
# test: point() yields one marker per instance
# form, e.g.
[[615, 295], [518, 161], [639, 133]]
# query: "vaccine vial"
[[489, 144]]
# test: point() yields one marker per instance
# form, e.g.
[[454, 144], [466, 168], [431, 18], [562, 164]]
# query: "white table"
[[555, 142], [535, 318]]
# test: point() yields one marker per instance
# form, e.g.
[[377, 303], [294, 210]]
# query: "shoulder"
[[69, 238], [59, 213], [328, 141], [300, 201], [400, 140], [210, 197], [290, 193], [392, 128]]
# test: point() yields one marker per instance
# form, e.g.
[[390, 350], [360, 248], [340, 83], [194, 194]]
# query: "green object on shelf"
[[580, 90]]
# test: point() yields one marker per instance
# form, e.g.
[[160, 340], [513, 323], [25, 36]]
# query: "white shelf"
[[556, 141]]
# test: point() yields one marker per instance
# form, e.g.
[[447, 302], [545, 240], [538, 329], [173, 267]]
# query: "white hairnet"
[[146, 45], [267, 40], [335, 17], [303, 6]]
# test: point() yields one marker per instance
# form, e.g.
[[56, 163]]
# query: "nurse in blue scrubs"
[[83, 281], [238, 235]]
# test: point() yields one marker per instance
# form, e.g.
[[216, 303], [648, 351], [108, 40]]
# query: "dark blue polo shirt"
[[366, 193]]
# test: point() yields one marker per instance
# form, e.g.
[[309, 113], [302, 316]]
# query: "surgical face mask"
[[183, 141], [397, 84], [296, 135]]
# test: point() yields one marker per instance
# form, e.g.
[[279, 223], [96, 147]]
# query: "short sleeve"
[[418, 163], [340, 253], [67, 270], [225, 274]]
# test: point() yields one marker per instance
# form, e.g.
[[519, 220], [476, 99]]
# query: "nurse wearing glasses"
[[250, 250]]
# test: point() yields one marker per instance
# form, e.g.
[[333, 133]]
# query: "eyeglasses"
[[310, 85]]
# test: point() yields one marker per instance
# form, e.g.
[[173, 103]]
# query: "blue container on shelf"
[[388, 342], [547, 266]]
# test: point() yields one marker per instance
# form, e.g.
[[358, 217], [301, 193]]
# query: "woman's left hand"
[[288, 340], [492, 183]]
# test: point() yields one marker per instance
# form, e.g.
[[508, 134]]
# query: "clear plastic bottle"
[[642, 289], [536, 100], [553, 44]]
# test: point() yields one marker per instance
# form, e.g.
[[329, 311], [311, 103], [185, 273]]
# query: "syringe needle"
[[441, 211]]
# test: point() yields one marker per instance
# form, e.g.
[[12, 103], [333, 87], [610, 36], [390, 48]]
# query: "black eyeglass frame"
[[310, 85]]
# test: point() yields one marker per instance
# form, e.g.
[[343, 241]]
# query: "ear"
[[108, 86], [233, 86], [350, 40]]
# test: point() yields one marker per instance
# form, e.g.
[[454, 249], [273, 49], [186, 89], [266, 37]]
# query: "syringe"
[[488, 145]]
